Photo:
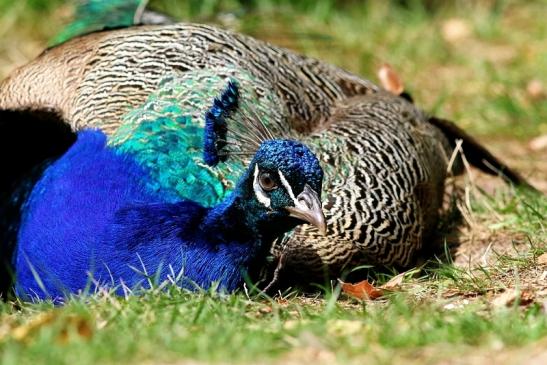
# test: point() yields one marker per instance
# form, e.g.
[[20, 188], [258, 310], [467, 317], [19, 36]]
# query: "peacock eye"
[[266, 181]]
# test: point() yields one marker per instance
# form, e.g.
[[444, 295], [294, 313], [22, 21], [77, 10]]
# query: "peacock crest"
[[247, 132]]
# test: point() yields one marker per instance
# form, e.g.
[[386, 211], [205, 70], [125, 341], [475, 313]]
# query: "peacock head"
[[283, 184]]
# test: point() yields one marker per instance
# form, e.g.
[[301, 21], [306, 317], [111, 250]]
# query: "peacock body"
[[112, 226], [385, 160]]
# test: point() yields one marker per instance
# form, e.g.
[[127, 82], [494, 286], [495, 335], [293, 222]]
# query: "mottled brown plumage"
[[385, 160], [97, 78]]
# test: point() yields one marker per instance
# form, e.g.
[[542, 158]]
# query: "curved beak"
[[307, 207]]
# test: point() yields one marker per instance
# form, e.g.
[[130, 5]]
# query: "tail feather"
[[98, 15], [478, 155]]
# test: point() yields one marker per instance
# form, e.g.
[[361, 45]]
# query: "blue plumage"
[[95, 219]]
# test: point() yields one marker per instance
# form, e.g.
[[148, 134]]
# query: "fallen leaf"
[[362, 290], [390, 80], [527, 297], [510, 297], [395, 282], [451, 293]]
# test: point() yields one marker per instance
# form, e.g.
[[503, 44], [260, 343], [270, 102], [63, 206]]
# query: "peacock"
[[385, 160], [96, 216]]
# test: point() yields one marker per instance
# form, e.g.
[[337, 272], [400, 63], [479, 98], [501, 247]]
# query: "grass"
[[166, 327], [476, 74]]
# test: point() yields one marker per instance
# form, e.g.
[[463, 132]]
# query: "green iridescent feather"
[[165, 134], [95, 15]]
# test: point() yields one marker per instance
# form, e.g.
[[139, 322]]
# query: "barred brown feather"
[[385, 162]]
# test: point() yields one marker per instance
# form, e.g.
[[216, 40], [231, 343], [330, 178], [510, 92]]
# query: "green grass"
[[479, 80], [165, 327]]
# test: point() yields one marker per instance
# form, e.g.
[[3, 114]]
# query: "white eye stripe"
[[259, 193], [289, 190], [286, 184]]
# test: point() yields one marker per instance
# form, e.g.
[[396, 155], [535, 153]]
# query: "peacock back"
[[100, 77]]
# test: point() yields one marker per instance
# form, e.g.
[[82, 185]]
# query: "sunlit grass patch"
[[472, 63], [164, 327]]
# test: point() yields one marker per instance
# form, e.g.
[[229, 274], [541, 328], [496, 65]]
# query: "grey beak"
[[308, 208]]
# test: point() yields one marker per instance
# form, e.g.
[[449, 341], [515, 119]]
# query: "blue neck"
[[208, 244], [241, 217], [108, 223]]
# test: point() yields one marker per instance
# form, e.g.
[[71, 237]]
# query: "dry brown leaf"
[[509, 297], [527, 297], [390, 80], [450, 293], [362, 290]]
